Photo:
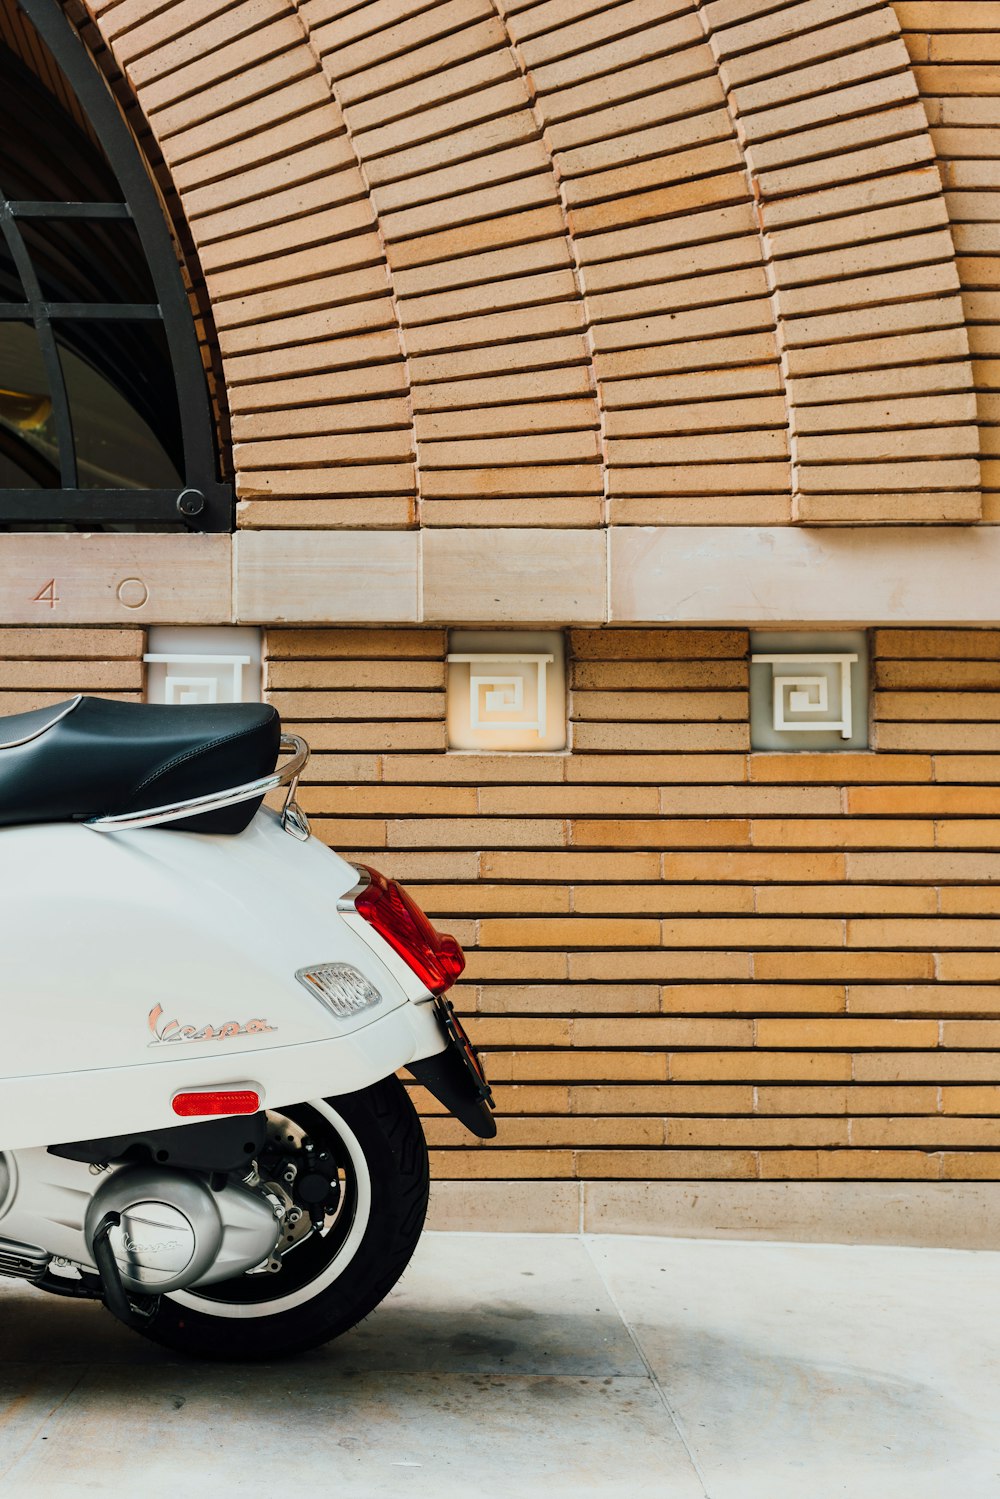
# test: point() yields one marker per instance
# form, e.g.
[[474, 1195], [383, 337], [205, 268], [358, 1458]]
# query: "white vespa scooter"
[[203, 1010]]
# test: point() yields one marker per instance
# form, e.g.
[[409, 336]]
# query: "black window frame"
[[201, 502]]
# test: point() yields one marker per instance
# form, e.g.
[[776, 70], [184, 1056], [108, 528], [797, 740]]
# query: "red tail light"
[[436, 959]]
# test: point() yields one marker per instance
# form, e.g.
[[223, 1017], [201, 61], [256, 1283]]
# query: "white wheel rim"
[[250, 1311]]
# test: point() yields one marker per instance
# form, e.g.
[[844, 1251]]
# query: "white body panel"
[[99, 932]]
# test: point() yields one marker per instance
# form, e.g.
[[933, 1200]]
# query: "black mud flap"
[[456, 1078]]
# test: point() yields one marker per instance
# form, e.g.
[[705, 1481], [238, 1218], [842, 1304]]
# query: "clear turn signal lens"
[[342, 989]]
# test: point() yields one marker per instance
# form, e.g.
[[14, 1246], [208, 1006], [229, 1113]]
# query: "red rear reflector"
[[435, 958], [241, 1101]]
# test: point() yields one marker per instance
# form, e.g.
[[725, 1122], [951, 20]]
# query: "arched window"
[[104, 414]]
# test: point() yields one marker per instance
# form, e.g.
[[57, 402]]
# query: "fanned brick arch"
[[565, 263], [859, 256]]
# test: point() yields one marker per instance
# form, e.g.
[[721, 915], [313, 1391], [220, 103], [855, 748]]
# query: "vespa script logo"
[[170, 1032], [131, 1246]]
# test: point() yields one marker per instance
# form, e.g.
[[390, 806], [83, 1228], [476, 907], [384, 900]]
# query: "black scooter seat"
[[95, 757]]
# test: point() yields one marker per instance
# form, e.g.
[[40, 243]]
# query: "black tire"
[[385, 1126]]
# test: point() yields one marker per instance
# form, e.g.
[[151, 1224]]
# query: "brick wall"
[[568, 263], [956, 61], [687, 961], [38, 667]]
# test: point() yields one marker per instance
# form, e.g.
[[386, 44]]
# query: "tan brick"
[[399, 675], [531, 1133], [698, 707], [843, 965], [387, 801], [416, 866], [569, 865], [941, 932], [939, 674], [340, 768], [970, 1165], [540, 931], [604, 59], [72, 676], [974, 833], [836, 1165], [845, 900], [371, 833], [970, 1033], [969, 967], [485, 1163], [359, 705], [946, 706], [969, 900], [975, 1100], [568, 801], [352, 644], [658, 645], [478, 898], [755, 931], [753, 999], [810, 832], [877, 52], [662, 1030], [923, 866], [777, 866], [922, 999], [846, 1100], [629, 999], [493, 1033], [749, 801], [520, 967], [937, 644], [842, 768], [666, 967], [676, 1165], [700, 833], [662, 899], [477, 770], [528, 1066], [682, 1099], [845, 1033], [759, 1066], [922, 800], [924, 1067], [758, 1133], [71, 644]]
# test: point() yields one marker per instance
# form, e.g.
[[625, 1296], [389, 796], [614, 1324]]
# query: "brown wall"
[[686, 960], [565, 263]]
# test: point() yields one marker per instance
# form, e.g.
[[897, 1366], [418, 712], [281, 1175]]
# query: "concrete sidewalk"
[[522, 1365]]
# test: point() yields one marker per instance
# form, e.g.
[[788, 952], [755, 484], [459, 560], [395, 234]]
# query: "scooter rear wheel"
[[330, 1278]]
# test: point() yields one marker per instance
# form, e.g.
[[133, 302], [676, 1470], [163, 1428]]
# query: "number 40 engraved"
[[47, 594]]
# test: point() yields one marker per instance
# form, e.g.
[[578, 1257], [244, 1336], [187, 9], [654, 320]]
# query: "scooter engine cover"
[[170, 1231], [176, 1231]]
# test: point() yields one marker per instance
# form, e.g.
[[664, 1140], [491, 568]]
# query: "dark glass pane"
[[48, 150], [11, 289], [122, 401], [29, 449], [88, 260]]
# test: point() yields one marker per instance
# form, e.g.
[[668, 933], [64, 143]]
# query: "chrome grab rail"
[[50, 724], [293, 819]]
